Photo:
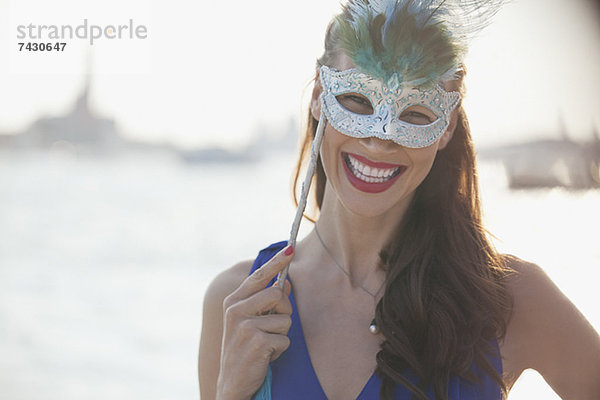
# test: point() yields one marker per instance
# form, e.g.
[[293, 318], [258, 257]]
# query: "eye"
[[355, 103], [418, 115]]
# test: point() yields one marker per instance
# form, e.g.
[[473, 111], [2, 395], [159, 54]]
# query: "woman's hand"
[[255, 325]]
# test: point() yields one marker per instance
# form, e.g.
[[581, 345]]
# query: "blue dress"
[[292, 376]]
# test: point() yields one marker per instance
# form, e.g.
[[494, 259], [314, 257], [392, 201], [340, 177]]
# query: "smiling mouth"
[[373, 173]]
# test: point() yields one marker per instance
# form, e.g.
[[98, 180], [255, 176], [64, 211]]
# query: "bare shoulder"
[[212, 325], [547, 332], [226, 282], [521, 266], [526, 281], [221, 286]]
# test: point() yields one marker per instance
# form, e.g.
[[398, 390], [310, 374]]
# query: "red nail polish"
[[289, 250]]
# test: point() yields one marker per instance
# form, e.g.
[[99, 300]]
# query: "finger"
[[259, 279], [273, 323], [284, 306], [279, 344], [258, 304], [287, 288]]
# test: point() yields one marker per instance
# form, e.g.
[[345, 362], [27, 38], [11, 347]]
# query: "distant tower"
[[562, 127], [79, 128], [82, 102]]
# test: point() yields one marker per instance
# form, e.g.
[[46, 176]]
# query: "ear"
[[447, 136], [315, 102]]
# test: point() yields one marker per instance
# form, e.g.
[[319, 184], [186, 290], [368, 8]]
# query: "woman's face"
[[371, 176]]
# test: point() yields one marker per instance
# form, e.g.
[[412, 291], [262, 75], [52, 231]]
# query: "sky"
[[215, 73]]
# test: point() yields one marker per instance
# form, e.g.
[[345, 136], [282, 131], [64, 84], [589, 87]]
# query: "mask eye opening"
[[418, 115], [355, 103]]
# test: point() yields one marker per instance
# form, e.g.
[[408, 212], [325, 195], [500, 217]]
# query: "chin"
[[388, 204]]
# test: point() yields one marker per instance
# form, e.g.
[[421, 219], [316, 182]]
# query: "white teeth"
[[370, 174]]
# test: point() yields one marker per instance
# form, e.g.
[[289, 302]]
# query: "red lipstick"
[[370, 187]]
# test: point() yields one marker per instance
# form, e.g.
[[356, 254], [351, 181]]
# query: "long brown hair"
[[445, 298]]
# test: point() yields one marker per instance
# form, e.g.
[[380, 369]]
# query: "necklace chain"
[[374, 296]]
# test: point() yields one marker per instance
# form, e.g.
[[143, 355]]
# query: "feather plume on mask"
[[416, 43]]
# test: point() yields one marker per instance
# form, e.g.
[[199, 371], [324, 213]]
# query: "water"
[[103, 263]]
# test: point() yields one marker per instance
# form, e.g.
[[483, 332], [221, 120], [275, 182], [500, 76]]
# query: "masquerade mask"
[[385, 116]]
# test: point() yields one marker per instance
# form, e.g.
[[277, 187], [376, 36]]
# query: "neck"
[[356, 240]]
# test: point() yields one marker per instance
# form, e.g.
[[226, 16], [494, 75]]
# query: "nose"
[[375, 145]]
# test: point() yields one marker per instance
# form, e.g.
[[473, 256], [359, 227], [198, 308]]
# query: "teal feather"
[[419, 41], [264, 392]]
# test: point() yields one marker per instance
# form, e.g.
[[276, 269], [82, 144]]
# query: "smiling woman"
[[397, 293]]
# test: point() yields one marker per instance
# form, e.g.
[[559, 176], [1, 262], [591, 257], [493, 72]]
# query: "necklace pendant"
[[373, 327]]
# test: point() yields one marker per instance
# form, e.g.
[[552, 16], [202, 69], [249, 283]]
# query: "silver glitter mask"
[[388, 101]]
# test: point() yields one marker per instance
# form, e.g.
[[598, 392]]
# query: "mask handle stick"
[[312, 165]]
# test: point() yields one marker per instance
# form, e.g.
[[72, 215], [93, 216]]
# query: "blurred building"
[[79, 129], [550, 162]]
